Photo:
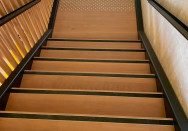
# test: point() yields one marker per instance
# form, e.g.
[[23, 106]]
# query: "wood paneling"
[[2, 79]]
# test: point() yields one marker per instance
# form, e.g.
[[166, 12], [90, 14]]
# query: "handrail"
[[17, 12], [180, 26]]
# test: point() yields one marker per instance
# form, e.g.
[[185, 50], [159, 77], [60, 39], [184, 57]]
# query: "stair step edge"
[[89, 74], [118, 119], [88, 92], [91, 40], [88, 49]]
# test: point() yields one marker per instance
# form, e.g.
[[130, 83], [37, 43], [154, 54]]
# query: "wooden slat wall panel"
[[19, 35], [12, 31], [12, 2], [26, 25], [5, 67], [2, 11], [10, 45], [2, 79], [16, 24], [18, 21]]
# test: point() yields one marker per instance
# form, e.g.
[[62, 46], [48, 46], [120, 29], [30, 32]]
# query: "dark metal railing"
[[172, 104], [15, 76], [180, 26]]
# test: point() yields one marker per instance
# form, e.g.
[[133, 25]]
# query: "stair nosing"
[[89, 74], [90, 118], [92, 40], [88, 49], [90, 60], [88, 92]]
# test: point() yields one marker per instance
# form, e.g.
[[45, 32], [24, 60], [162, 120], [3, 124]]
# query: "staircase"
[[81, 84], [107, 85]]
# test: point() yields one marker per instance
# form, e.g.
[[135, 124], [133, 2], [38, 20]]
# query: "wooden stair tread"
[[99, 67], [88, 83], [96, 25], [93, 54], [48, 125], [95, 45], [87, 104]]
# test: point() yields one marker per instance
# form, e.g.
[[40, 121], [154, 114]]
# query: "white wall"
[[179, 8], [171, 49]]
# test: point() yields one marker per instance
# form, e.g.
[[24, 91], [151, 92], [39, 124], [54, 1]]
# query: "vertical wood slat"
[[41, 16], [17, 29], [35, 13], [29, 16], [35, 22], [5, 68], [23, 24], [16, 39], [27, 20], [2, 79], [45, 23], [38, 12], [12, 33], [2, 11], [31, 27], [39, 20], [20, 34], [45, 10], [46, 6]]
